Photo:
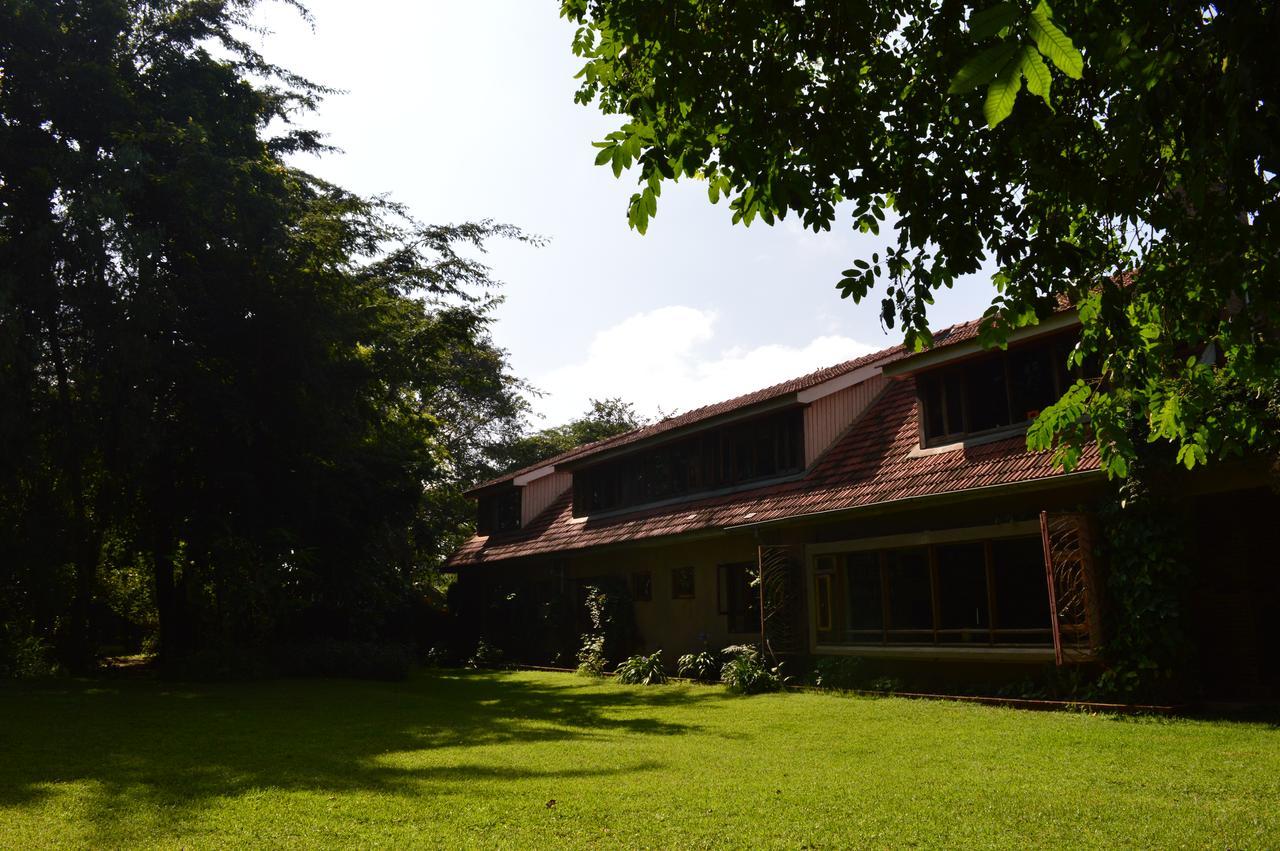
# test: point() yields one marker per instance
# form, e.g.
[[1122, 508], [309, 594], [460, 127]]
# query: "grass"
[[455, 759]]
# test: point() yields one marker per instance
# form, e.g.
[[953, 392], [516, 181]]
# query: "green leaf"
[[982, 68], [1002, 93], [1036, 73], [988, 22], [1054, 44], [605, 155]]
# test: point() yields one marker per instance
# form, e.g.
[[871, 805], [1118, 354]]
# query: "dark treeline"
[[238, 405]]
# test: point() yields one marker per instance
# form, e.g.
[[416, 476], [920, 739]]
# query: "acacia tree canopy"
[[1121, 157]]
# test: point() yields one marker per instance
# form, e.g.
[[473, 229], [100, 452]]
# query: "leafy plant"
[[642, 670], [745, 672], [703, 666], [25, 656], [839, 672], [486, 656], [591, 658], [1108, 182]]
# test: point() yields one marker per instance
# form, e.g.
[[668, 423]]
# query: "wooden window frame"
[[693, 583], [831, 555], [953, 378]]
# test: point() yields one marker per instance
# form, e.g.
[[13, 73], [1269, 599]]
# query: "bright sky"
[[464, 110]]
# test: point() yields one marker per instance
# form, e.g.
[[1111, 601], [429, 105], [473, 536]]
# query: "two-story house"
[[892, 511]]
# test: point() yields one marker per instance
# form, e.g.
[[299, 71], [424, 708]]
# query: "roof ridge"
[[703, 412]]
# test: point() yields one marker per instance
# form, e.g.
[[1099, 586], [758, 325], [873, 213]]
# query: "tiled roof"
[[794, 385], [948, 336], [875, 462]]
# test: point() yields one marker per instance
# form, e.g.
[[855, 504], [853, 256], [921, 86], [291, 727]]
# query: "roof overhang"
[[768, 406], [932, 358], [840, 382], [533, 475]]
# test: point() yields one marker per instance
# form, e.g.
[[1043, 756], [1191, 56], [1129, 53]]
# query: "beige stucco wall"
[[674, 625]]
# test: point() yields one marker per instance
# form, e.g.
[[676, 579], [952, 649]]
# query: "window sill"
[[976, 440], [983, 654]]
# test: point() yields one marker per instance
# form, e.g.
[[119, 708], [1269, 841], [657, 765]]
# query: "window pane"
[[910, 599], [642, 586], [1031, 381], [1022, 598], [682, 582], [962, 591], [931, 398], [862, 580], [985, 393]]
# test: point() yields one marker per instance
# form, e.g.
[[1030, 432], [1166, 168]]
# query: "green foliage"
[[485, 656], [839, 672], [238, 404], [612, 615], [605, 418], [703, 666], [1142, 147], [746, 672], [1147, 646], [641, 670], [24, 656], [591, 658]]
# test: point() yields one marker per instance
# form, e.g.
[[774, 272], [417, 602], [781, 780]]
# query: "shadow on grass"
[[145, 745]]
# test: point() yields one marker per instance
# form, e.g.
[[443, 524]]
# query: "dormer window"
[[994, 391], [498, 512], [754, 450]]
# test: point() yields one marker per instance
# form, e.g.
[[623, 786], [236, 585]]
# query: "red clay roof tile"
[[872, 464]]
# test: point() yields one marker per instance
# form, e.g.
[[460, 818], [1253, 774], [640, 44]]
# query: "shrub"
[[591, 659], [704, 666], [486, 656], [839, 672], [642, 670], [351, 659], [746, 673], [25, 657]]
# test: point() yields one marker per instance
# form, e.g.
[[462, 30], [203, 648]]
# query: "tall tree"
[[250, 382], [603, 418], [1136, 178]]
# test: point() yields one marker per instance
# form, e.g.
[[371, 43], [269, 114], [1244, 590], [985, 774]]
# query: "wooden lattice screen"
[[1073, 586], [782, 626]]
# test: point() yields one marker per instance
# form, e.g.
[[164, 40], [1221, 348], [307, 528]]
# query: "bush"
[[642, 670], [745, 672], [704, 666], [25, 657], [350, 659], [839, 672], [486, 656], [591, 659]]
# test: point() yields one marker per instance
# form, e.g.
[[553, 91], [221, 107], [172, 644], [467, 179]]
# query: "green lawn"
[[476, 759]]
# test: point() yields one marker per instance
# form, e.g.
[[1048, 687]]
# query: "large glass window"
[[498, 512], [994, 390], [910, 598], [983, 592], [760, 448]]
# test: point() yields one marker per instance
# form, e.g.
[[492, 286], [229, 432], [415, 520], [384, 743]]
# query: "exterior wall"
[[675, 626], [828, 418], [540, 493]]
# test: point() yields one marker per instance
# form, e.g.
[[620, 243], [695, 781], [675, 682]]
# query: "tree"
[[604, 418], [1136, 179], [259, 391]]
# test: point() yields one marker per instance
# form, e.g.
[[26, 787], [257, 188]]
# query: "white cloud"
[[666, 360]]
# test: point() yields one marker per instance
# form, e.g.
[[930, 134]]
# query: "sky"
[[465, 110]]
